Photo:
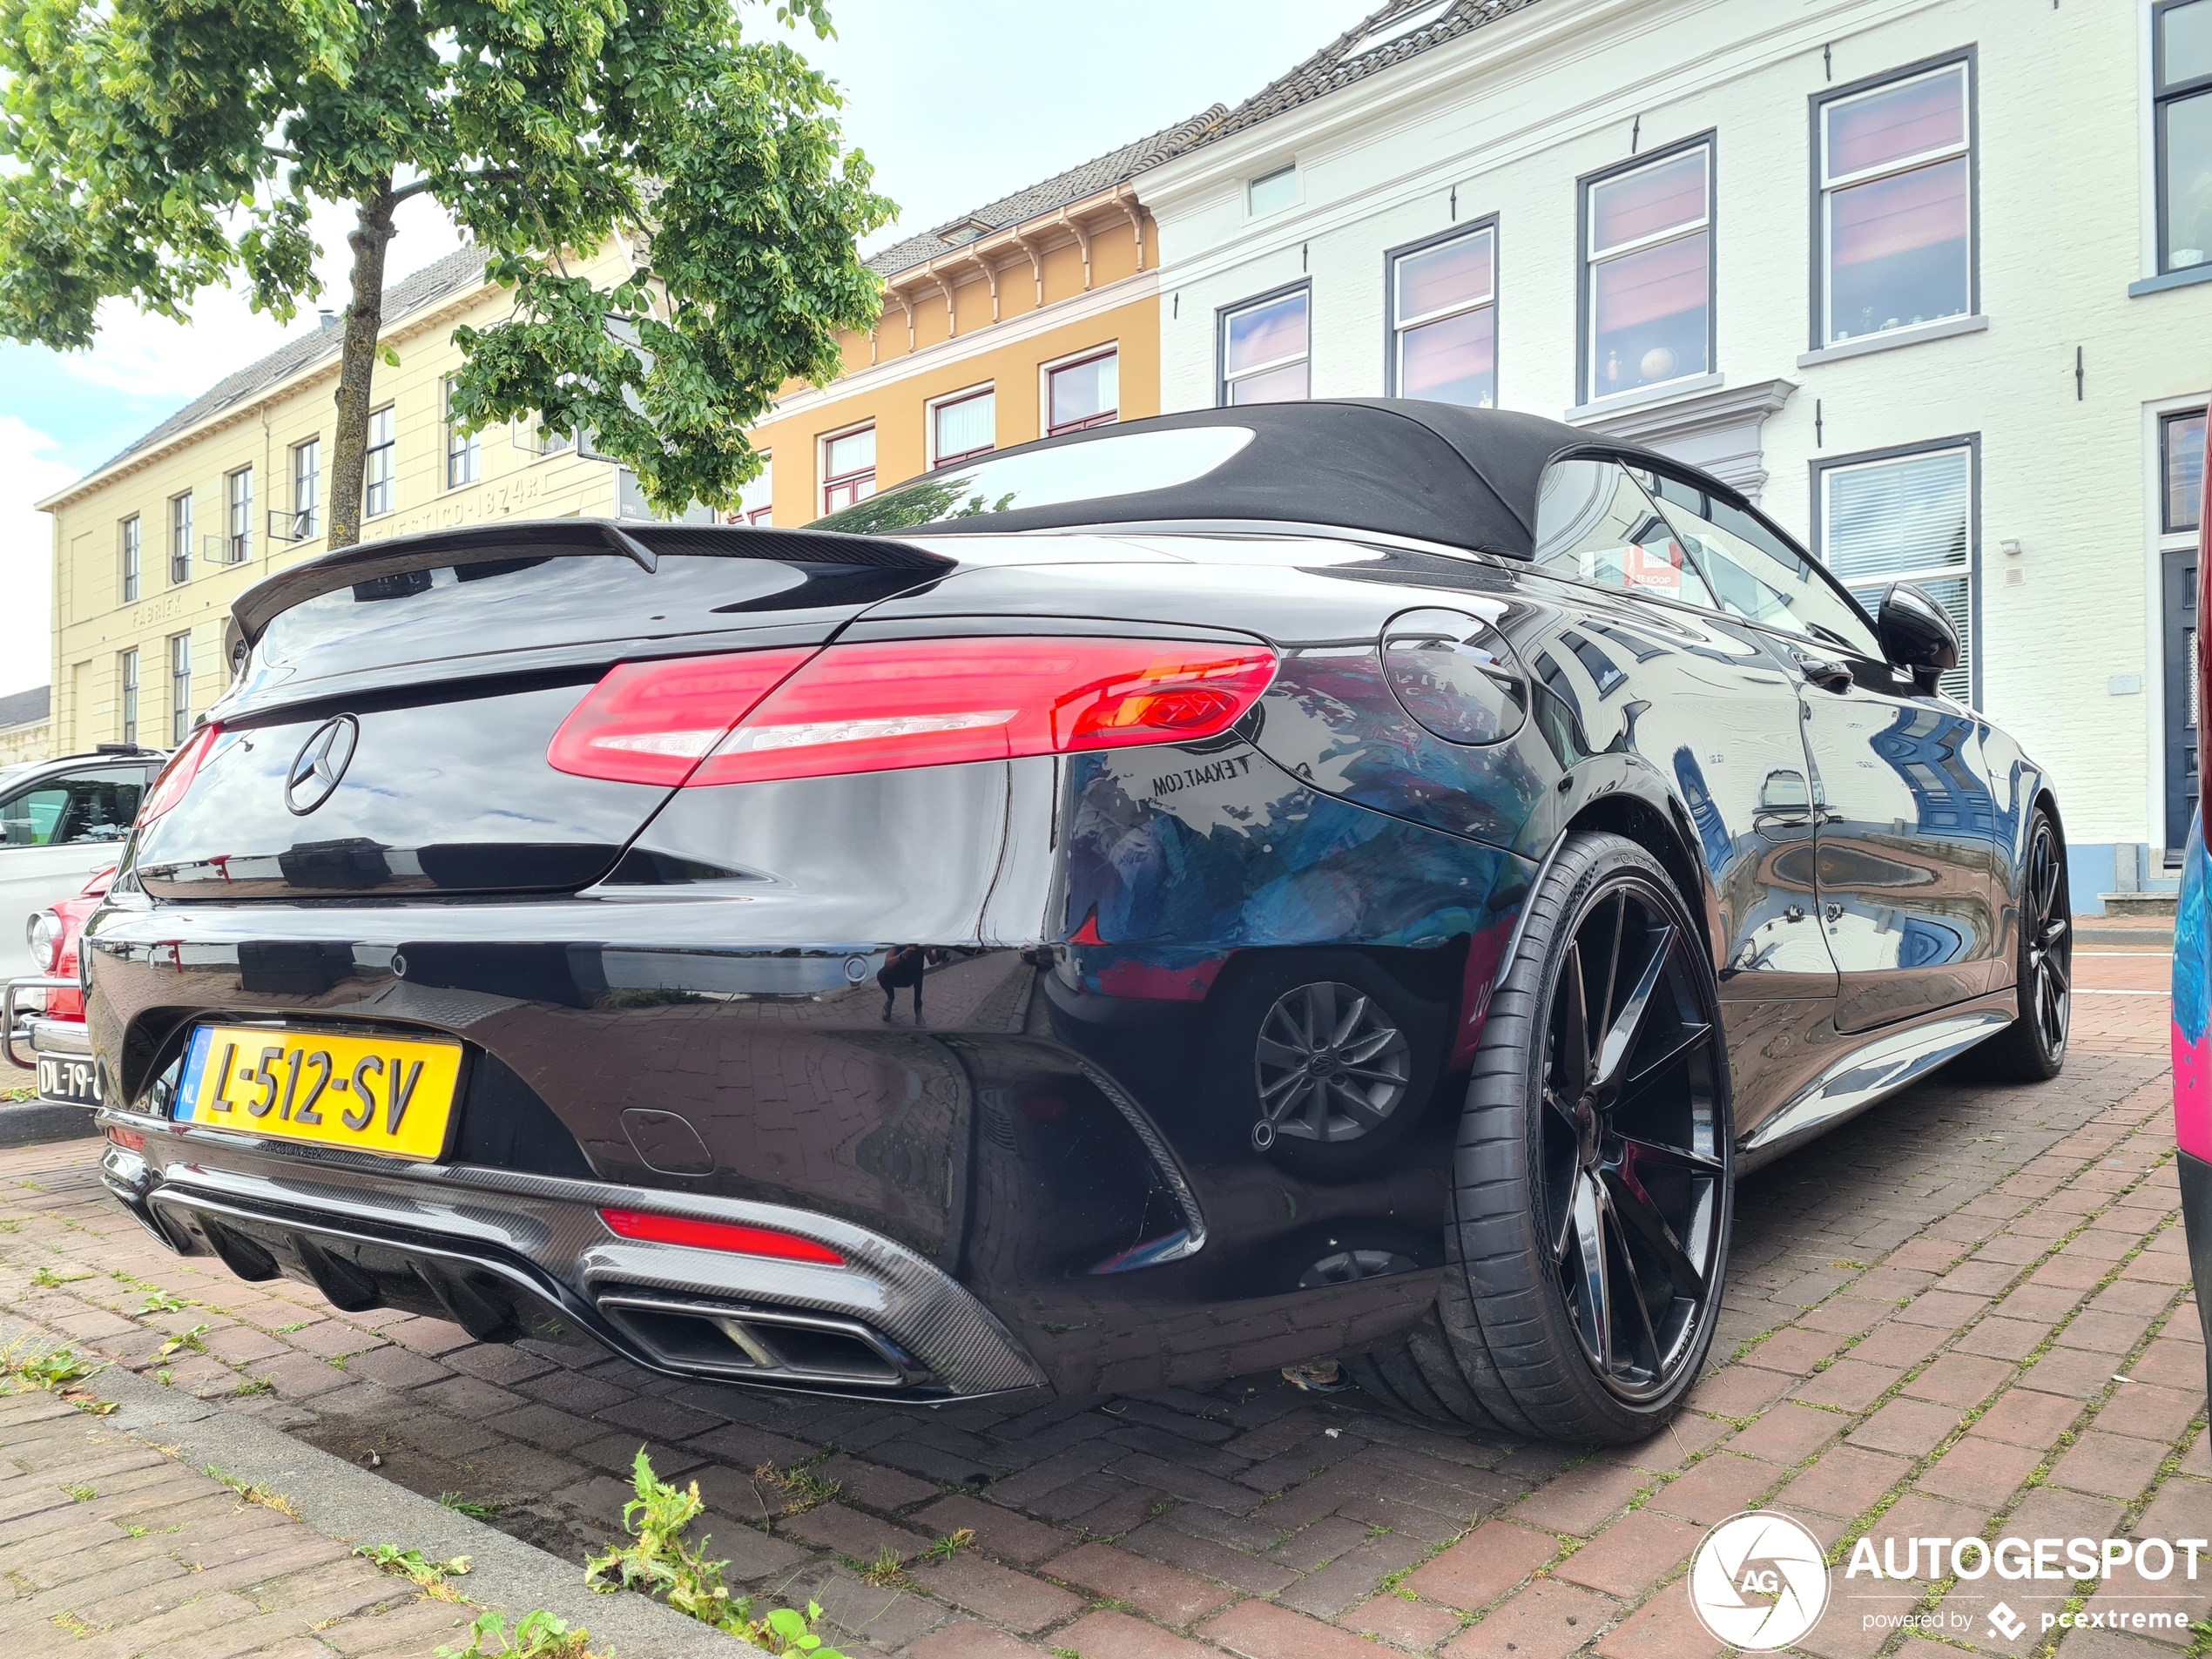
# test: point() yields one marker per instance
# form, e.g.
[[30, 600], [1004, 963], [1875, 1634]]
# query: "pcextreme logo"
[[1759, 1582]]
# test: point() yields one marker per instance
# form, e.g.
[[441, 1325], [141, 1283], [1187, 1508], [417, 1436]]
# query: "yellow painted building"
[[1036, 314]]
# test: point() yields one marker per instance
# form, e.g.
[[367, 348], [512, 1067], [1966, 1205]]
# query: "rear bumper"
[[506, 1255], [2197, 1217]]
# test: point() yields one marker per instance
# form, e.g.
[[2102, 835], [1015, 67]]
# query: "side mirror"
[[1916, 635]]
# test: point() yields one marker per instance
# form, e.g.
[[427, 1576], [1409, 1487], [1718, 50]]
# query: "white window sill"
[[1644, 396], [1891, 339]]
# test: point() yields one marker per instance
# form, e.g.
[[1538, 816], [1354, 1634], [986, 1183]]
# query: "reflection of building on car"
[[60, 821], [41, 1013], [1382, 869]]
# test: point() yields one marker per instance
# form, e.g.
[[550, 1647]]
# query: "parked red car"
[[54, 1033]]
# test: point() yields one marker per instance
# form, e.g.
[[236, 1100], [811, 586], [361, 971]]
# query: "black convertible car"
[[1355, 880]]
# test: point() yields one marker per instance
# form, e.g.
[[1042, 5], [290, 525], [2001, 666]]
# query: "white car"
[[60, 821]]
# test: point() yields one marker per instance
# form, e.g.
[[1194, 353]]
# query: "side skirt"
[[1888, 1060]]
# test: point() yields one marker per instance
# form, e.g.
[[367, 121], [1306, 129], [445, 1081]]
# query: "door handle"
[[1824, 672]]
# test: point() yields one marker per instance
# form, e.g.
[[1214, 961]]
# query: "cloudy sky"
[[955, 107]]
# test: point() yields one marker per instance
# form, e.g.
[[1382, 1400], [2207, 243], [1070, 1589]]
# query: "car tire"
[[1586, 1252], [2032, 1049], [1323, 1059]]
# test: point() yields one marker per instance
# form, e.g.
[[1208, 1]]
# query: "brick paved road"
[[1931, 1315]]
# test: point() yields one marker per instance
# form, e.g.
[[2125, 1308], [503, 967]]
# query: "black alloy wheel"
[[1594, 1182], [2033, 1048], [1634, 1167]]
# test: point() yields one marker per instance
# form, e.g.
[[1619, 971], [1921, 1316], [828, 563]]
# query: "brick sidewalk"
[[107, 1541], [1931, 1314]]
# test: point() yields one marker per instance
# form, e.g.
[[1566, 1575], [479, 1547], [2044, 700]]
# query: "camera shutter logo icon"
[[1759, 1582]]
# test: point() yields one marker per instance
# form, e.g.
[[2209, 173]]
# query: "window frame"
[[2166, 420], [313, 511], [827, 482], [933, 407], [179, 687], [1054, 365], [1394, 327], [2160, 96], [1223, 314], [1965, 58], [389, 449], [1586, 266], [181, 531], [1970, 443], [238, 516], [1252, 181], [126, 693], [765, 515], [132, 551], [461, 446]]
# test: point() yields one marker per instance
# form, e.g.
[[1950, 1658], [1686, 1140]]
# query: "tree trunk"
[[370, 236]]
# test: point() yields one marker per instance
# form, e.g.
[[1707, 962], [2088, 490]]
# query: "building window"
[[1263, 351], [237, 538], [963, 427], [1444, 321], [2180, 469], [126, 678], [1086, 393], [2182, 58], [378, 477], [1896, 206], [757, 502], [306, 491], [1648, 272], [130, 530], [179, 688], [1907, 518], [848, 469], [464, 450], [1271, 190], [180, 539]]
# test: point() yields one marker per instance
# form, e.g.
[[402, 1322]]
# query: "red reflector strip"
[[719, 1234]]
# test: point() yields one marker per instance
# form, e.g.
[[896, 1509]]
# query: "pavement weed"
[[191, 1338], [253, 1493], [950, 1545], [802, 1488], [162, 1302], [427, 1575], [659, 1563], [468, 1506], [540, 1635], [81, 1494]]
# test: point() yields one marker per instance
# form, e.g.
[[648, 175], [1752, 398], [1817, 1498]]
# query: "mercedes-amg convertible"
[[1353, 880]]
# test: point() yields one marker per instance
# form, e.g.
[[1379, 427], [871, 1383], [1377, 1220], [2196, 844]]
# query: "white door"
[[55, 832]]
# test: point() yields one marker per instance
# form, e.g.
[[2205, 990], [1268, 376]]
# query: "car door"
[[1908, 868], [56, 830]]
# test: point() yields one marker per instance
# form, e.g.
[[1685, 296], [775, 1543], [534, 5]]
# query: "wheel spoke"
[[1286, 1086], [1365, 1049], [1320, 1011], [2053, 931], [2056, 969], [1347, 1022], [1635, 1288], [1563, 1228], [1692, 1036], [1643, 1152], [1594, 1306], [1565, 1113], [1268, 1052], [1633, 1205], [1574, 1037], [1354, 1104], [1621, 1036], [1613, 967]]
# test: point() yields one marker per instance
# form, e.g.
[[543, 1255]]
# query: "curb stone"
[[355, 1507]]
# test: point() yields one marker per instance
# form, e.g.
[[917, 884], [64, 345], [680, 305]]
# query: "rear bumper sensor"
[[506, 1256]]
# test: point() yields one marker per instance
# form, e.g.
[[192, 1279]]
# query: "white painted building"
[[1926, 277]]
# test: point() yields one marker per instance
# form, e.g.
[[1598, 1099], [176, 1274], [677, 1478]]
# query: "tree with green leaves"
[[154, 148]]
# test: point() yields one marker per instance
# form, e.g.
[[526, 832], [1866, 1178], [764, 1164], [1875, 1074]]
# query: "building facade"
[[1924, 277], [27, 727], [1037, 312]]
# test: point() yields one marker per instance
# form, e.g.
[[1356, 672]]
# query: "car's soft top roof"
[[1434, 471]]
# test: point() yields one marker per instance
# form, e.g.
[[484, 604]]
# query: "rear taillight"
[[719, 1234], [650, 723], [176, 777], [876, 707]]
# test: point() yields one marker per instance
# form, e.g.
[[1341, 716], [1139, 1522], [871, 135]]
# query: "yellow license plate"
[[389, 1095]]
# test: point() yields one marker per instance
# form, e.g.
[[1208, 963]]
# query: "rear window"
[[1130, 463]]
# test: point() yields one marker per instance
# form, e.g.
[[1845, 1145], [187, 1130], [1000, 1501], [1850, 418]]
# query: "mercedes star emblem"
[[321, 762]]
